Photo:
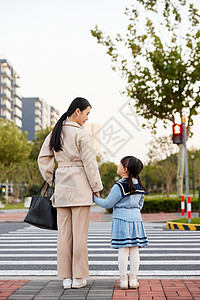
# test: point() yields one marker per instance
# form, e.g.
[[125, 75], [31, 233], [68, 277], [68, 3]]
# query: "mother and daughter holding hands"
[[77, 185]]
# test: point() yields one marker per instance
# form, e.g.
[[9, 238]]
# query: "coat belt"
[[70, 164]]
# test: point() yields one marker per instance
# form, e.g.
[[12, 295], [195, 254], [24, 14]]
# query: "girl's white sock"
[[134, 260], [123, 260]]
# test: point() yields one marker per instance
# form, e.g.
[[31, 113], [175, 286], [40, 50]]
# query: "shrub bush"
[[31, 190], [165, 205], [157, 205], [2, 199]]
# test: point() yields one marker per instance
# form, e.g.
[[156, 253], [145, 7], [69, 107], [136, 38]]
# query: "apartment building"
[[94, 130], [37, 114], [54, 116], [10, 99]]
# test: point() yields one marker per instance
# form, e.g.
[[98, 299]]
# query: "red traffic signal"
[[177, 131]]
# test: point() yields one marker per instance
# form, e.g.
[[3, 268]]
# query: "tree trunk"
[[180, 171], [168, 181], [16, 192], [168, 189]]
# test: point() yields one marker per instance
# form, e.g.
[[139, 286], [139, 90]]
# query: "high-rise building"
[[94, 130], [37, 114], [54, 116], [10, 99]]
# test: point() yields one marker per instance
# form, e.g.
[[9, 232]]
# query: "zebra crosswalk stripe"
[[32, 251]]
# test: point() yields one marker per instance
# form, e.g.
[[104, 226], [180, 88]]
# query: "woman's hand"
[[96, 194]]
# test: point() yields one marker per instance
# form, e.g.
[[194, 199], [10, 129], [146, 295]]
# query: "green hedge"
[[164, 205]]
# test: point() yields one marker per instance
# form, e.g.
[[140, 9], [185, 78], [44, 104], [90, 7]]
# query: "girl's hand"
[[96, 194]]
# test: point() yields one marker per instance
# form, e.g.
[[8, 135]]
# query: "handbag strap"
[[54, 172], [42, 187]]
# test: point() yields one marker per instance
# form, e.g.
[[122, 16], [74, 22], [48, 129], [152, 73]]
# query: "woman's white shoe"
[[67, 283], [78, 283]]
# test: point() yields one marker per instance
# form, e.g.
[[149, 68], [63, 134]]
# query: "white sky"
[[49, 44]]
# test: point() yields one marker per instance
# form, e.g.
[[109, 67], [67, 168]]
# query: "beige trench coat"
[[77, 175]]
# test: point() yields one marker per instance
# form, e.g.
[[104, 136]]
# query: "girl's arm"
[[111, 200], [141, 202]]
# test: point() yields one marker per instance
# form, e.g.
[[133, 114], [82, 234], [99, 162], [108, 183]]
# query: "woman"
[[77, 178]]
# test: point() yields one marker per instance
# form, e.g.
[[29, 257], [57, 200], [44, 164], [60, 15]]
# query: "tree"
[[24, 176], [162, 67], [161, 148], [150, 178], [38, 141], [108, 173], [163, 160], [14, 148]]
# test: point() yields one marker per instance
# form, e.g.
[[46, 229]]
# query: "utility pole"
[[193, 188]]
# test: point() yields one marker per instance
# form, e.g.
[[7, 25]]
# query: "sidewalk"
[[18, 215], [97, 214], [101, 289]]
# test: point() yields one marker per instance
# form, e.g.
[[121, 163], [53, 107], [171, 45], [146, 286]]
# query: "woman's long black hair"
[[134, 167], [56, 140]]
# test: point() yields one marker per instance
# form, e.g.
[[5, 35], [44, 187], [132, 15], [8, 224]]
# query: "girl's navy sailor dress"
[[127, 226], [125, 233]]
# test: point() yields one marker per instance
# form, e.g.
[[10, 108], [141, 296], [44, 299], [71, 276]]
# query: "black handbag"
[[41, 212]]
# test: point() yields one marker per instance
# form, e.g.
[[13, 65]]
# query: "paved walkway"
[[155, 289], [97, 214], [8, 287], [101, 289]]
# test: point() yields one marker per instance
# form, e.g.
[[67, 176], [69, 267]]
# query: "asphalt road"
[[6, 227], [29, 251]]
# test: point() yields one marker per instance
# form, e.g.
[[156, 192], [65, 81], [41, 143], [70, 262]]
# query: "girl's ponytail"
[[134, 167], [140, 183], [131, 185]]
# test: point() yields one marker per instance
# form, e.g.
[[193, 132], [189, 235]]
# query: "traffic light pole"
[[186, 166]]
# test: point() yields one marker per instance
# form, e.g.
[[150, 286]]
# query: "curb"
[[183, 226]]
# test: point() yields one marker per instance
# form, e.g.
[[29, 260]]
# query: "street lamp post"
[[186, 171], [192, 158]]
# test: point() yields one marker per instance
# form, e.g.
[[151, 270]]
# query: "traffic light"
[[3, 190], [177, 130]]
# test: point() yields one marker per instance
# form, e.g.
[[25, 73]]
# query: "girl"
[[128, 233], [77, 177]]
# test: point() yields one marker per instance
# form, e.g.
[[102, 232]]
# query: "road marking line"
[[90, 239], [148, 273], [93, 244], [101, 262], [108, 255], [103, 249]]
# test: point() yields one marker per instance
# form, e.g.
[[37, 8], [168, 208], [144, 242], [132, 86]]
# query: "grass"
[[185, 220], [14, 206]]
